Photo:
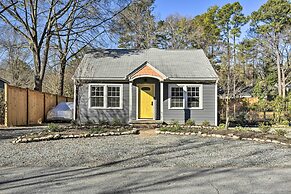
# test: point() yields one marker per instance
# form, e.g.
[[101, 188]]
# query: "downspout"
[[75, 100], [216, 104]]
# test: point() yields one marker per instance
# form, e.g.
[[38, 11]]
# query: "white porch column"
[[161, 101], [130, 101]]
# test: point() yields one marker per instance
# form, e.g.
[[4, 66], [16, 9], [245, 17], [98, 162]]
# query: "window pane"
[[113, 101], [97, 91], [97, 102], [113, 96], [192, 97], [97, 96], [177, 97]]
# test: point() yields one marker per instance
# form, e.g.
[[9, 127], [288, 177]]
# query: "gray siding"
[[207, 113], [89, 115], [86, 114]]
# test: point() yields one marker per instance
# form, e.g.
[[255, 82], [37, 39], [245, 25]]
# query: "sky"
[[191, 8]]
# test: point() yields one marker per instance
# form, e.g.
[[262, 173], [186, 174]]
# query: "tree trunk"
[[61, 78], [228, 85], [37, 83], [283, 84], [227, 103], [37, 68], [279, 72], [234, 78]]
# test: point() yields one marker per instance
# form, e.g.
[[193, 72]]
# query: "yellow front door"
[[145, 101]]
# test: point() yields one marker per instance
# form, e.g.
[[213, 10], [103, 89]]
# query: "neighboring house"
[[150, 85], [2, 82]]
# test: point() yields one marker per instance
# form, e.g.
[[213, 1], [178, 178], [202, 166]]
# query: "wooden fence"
[[28, 107]]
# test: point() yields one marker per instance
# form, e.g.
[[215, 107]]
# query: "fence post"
[[6, 104], [27, 106], [44, 104]]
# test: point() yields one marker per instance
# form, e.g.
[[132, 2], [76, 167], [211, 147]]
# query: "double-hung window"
[[193, 97], [187, 96], [105, 96], [97, 96], [113, 96], [177, 99]]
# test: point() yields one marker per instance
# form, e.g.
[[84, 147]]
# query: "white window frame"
[[200, 86], [170, 95], [185, 97], [105, 96]]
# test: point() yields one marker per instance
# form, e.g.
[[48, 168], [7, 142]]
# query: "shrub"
[[55, 128], [285, 122], [221, 126], [178, 127], [205, 123], [174, 122], [264, 128], [190, 122], [280, 132], [175, 126]]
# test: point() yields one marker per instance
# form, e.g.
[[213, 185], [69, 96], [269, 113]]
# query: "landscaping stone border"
[[228, 136], [23, 139]]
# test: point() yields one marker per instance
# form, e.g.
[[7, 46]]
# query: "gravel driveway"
[[138, 151]]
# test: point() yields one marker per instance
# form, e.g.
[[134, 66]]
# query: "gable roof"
[[117, 64], [146, 69]]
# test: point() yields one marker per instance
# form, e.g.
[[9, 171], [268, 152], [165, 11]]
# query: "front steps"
[[146, 124]]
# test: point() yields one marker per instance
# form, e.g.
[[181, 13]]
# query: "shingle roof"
[[116, 64], [3, 80]]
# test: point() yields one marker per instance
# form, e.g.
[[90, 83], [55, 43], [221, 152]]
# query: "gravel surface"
[[139, 151], [6, 134]]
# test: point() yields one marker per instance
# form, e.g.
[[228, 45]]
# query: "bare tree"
[[35, 21], [7, 7], [80, 29], [15, 66]]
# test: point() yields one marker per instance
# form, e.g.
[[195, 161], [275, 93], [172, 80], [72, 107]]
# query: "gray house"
[[150, 85], [2, 82]]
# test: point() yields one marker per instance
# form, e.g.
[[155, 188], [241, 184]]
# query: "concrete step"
[[147, 124]]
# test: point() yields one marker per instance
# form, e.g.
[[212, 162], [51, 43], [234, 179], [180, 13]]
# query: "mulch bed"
[[237, 134]]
